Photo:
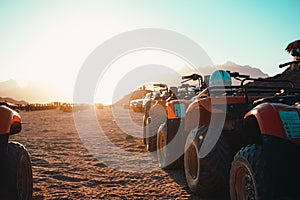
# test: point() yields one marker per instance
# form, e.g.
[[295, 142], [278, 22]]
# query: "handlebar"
[[193, 77], [237, 75], [159, 85], [289, 63], [294, 52]]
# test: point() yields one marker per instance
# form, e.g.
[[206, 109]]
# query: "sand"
[[63, 168]]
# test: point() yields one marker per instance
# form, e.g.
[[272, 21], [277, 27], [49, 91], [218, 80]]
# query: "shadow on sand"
[[178, 176]]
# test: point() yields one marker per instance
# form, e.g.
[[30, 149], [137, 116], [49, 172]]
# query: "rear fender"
[[10, 122], [273, 119], [201, 109], [193, 113]]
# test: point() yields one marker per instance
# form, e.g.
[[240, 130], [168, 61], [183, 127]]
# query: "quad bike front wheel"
[[206, 176], [18, 173], [248, 178]]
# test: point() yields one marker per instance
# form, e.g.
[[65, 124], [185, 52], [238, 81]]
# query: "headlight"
[[291, 123]]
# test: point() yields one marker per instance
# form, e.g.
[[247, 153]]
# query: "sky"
[[48, 41]]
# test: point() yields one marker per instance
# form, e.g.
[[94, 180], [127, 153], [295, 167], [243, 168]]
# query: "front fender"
[[176, 109], [272, 119], [10, 121]]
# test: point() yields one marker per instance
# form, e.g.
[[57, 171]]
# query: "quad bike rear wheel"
[[18, 173], [206, 176], [157, 116], [165, 151], [248, 178], [145, 118], [150, 134]]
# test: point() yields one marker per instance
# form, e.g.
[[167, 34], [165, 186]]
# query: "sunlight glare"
[[117, 70]]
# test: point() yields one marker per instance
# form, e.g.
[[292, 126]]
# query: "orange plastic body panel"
[[193, 113], [199, 112], [208, 102], [8, 117], [172, 111], [269, 121]]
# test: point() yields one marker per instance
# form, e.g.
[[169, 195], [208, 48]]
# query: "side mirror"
[[295, 53], [16, 127]]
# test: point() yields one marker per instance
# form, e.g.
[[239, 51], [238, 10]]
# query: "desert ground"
[[64, 168]]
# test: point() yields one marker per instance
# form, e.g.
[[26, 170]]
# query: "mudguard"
[[10, 122], [192, 117], [201, 109], [277, 120]]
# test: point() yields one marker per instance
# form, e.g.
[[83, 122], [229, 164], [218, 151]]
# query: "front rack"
[[255, 90]]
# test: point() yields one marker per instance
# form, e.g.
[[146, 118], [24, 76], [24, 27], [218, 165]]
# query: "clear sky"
[[48, 41]]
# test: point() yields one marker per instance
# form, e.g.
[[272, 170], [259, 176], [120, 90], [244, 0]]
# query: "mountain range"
[[163, 78], [37, 92], [34, 92]]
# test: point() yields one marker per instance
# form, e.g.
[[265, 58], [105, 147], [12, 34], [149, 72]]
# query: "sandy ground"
[[63, 168]]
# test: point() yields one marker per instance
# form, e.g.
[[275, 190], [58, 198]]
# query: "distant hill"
[[138, 94], [13, 101], [246, 69], [36, 92], [33, 92], [231, 66]]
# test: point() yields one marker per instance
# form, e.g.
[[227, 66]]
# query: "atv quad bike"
[[169, 154], [155, 97], [15, 166], [243, 138], [153, 113], [159, 109]]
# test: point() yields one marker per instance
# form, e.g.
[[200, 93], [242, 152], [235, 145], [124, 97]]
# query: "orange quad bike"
[[151, 116], [158, 109], [170, 148], [15, 165], [244, 139]]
